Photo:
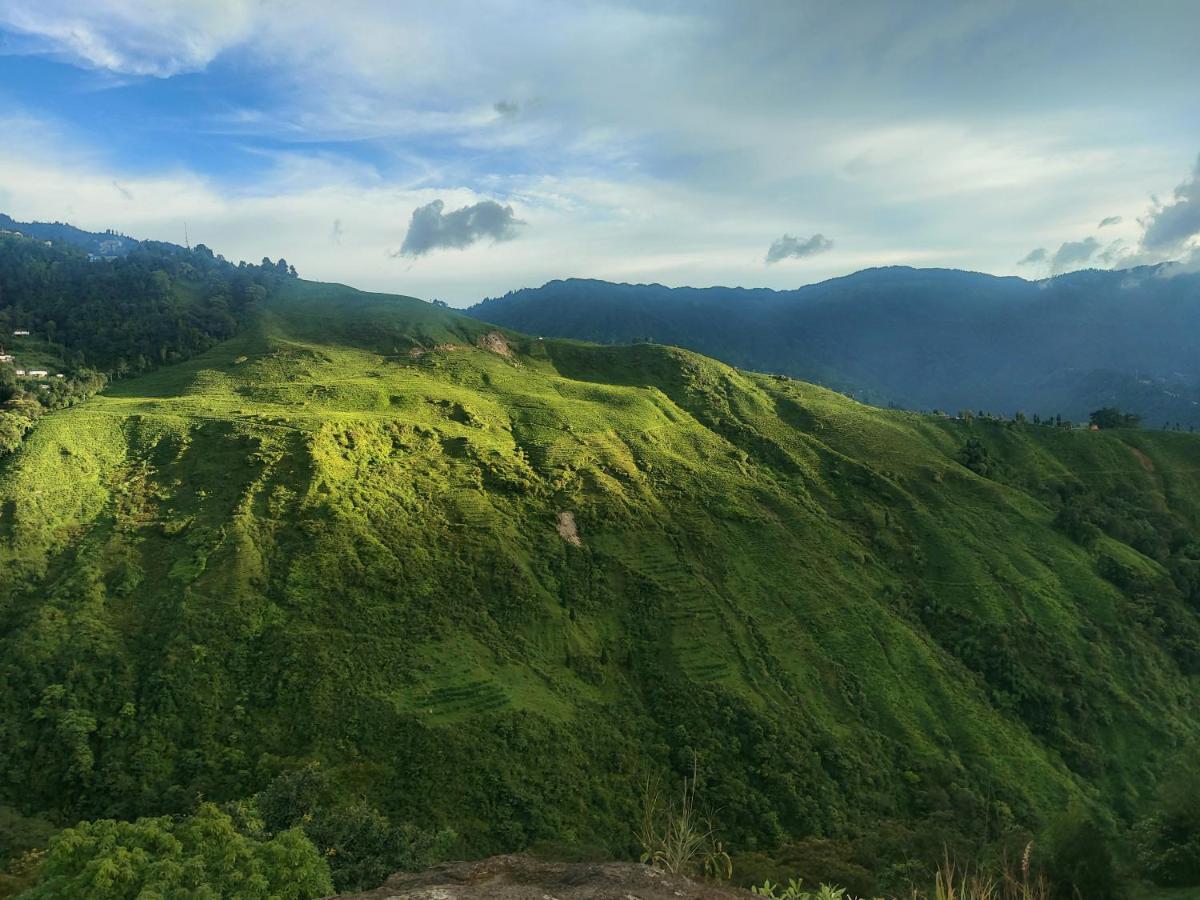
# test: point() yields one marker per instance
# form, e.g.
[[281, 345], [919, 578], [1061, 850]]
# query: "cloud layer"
[[788, 247], [431, 228]]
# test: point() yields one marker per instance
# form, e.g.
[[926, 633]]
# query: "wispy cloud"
[[156, 39], [1110, 220], [1033, 257]]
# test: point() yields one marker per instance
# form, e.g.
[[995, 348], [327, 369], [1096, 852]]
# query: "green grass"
[[334, 537]]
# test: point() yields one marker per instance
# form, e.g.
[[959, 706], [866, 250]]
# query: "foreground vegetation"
[[494, 584]]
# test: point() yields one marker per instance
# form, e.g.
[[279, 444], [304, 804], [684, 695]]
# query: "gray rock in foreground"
[[526, 878]]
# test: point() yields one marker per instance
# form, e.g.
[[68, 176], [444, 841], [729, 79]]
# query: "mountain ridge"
[[918, 338]]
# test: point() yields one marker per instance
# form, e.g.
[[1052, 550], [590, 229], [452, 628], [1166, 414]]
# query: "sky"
[[458, 150]]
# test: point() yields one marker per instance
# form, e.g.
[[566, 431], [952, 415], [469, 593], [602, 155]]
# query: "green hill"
[[920, 339], [495, 582]]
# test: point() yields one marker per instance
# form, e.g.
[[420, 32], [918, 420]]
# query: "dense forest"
[[70, 313]]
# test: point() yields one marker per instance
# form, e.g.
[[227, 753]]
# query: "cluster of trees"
[[298, 838], [107, 243], [22, 401], [1107, 417], [156, 305], [1111, 417]]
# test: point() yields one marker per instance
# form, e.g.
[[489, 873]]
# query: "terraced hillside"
[[496, 582]]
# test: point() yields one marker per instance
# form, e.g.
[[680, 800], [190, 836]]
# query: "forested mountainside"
[[99, 243], [491, 583], [919, 338], [69, 320]]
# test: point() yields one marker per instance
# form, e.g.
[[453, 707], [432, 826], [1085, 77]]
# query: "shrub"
[[202, 856], [1078, 859], [1168, 840], [361, 845]]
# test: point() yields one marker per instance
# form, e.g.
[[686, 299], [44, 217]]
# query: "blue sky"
[[679, 142]]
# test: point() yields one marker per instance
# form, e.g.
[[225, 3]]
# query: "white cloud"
[[153, 37]]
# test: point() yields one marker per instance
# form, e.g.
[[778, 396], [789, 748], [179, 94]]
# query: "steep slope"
[[496, 581], [918, 338]]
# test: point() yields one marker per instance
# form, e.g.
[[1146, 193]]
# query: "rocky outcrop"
[[526, 878]]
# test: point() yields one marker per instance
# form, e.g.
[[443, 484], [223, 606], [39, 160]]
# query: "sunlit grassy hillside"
[[495, 582]]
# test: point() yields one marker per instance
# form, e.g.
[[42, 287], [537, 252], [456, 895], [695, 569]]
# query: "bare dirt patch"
[[1147, 462], [525, 878], [495, 342], [567, 529]]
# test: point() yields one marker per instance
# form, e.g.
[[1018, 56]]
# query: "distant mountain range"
[[918, 338]]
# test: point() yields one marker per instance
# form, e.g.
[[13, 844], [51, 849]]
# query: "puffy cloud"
[[1073, 253], [432, 228], [1110, 220], [792, 247], [1033, 257], [1168, 227]]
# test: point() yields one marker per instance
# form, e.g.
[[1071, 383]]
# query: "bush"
[[361, 845], [1078, 859], [1168, 840], [202, 856]]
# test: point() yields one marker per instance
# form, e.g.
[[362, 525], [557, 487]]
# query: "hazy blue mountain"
[[918, 338]]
